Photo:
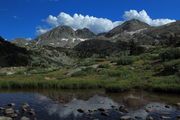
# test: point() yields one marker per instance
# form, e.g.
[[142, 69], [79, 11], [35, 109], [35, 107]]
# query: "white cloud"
[[41, 30], [98, 25], [143, 16], [78, 21]]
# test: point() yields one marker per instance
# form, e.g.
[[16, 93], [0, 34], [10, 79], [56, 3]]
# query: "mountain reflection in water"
[[64, 105]]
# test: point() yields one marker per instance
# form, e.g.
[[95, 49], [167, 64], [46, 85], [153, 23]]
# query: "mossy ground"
[[150, 71]]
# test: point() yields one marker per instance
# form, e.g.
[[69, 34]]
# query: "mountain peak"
[[133, 21], [128, 26], [63, 29], [63, 36], [84, 33], [19, 41]]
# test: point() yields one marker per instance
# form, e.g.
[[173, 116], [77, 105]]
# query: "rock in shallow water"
[[167, 106], [165, 117], [32, 112], [26, 106], [178, 105], [101, 109], [9, 111], [126, 118], [1, 108], [81, 110], [12, 104], [150, 118], [5, 118], [25, 118], [105, 114], [148, 110], [123, 109], [178, 116]]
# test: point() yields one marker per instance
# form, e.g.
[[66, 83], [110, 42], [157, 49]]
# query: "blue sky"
[[21, 18]]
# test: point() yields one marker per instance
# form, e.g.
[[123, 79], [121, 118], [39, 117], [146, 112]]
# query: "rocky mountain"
[[130, 31], [84, 33], [46, 56], [168, 34], [143, 34], [51, 57], [132, 37], [12, 55], [20, 41], [63, 36], [130, 27], [102, 48]]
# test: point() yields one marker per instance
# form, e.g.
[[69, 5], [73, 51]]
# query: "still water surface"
[[63, 104]]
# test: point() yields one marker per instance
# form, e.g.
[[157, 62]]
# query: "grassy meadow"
[[156, 70]]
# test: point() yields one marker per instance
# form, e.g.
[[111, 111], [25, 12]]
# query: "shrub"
[[79, 74], [148, 56], [127, 60], [121, 74], [172, 67], [99, 59], [104, 66], [84, 72], [172, 53], [87, 63]]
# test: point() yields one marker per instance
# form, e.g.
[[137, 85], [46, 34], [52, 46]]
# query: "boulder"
[[126, 118], [9, 111], [1, 108], [25, 106], [148, 110], [5, 118], [167, 106], [24, 118], [32, 112], [150, 118], [81, 110], [123, 109], [165, 117], [12, 104], [101, 109], [105, 114], [178, 116]]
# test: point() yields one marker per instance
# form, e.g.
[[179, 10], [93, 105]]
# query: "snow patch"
[[64, 39], [51, 43], [137, 31]]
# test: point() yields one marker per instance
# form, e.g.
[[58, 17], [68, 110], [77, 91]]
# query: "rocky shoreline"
[[11, 113], [125, 114], [27, 113], [79, 106]]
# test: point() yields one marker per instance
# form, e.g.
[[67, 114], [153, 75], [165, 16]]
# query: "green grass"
[[127, 60], [104, 66], [132, 72]]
